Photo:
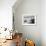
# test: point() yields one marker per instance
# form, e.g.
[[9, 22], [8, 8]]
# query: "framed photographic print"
[[28, 19]]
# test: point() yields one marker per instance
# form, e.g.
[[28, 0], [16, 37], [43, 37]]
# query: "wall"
[[43, 22], [6, 13], [29, 7]]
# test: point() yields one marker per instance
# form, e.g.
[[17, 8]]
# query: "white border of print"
[[27, 18]]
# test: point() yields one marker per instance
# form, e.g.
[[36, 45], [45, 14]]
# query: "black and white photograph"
[[29, 20]]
